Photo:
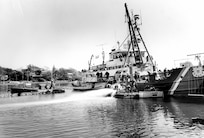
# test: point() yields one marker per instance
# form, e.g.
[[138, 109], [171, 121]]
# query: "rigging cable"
[[124, 41]]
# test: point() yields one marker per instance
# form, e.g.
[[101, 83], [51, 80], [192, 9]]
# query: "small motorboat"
[[150, 92], [127, 95], [58, 90], [88, 82], [23, 88], [133, 93]]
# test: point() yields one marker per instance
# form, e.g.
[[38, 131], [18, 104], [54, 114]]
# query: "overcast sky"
[[65, 33]]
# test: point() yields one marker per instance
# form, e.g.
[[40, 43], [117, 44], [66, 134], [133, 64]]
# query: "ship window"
[[137, 57], [147, 58]]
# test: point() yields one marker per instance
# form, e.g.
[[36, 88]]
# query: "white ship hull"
[[140, 94]]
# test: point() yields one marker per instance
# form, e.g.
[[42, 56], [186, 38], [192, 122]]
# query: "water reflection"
[[145, 118], [93, 115]]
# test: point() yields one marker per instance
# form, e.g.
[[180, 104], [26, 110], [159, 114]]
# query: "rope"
[[124, 41]]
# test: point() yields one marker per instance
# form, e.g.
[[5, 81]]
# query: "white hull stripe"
[[178, 80]]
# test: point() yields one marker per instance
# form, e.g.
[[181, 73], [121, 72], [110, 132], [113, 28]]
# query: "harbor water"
[[92, 115]]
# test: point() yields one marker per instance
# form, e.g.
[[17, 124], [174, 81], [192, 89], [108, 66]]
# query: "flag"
[[125, 46]]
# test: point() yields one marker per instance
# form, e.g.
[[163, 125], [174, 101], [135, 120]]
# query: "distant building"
[[3, 77]]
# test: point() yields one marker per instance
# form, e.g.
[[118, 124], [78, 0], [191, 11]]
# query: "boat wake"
[[74, 96], [92, 94]]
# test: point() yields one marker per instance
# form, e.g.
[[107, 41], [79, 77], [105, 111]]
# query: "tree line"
[[34, 73]]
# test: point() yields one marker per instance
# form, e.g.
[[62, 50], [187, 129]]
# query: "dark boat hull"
[[21, 90], [187, 81], [122, 95], [89, 86]]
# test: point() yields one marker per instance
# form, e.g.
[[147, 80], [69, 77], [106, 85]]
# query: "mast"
[[132, 36], [89, 62], [53, 73], [103, 56], [137, 29]]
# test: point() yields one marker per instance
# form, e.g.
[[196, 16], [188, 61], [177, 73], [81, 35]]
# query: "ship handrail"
[[187, 90], [201, 95]]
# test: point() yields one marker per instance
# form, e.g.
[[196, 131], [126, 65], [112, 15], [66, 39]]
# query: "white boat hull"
[[150, 94], [140, 94]]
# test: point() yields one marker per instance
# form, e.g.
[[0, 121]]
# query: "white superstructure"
[[135, 54], [120, 59]]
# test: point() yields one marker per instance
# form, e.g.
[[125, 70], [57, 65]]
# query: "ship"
[[89, 81], [128, 86], [184, 81], [131, 52]]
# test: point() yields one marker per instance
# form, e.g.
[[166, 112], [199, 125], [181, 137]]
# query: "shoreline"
[[5, 87]]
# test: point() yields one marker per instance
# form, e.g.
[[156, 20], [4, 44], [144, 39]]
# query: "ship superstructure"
[[132, 52]]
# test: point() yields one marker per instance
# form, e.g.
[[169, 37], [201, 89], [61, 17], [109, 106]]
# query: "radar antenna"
[[197, 56]]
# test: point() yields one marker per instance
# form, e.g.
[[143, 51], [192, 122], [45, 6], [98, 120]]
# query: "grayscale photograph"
[[101, 69]]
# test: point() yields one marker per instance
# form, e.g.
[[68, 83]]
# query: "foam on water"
[[74, 96], [91, 94]]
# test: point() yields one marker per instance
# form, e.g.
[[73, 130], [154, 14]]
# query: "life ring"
[[197, 72]]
